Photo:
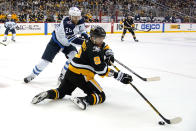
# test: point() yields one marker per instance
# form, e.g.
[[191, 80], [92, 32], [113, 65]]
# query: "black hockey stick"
[[143, 30], [168, 121], [156, 78], [3, 44]]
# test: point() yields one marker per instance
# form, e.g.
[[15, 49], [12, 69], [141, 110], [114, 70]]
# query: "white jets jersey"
[[11, 24], [67, 32]]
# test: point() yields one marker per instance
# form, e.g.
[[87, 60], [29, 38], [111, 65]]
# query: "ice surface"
[[172, 56]]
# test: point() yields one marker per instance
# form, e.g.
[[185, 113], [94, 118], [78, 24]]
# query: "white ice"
[[172, 56]]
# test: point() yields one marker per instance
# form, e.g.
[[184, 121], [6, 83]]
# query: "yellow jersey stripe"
[[89, 74], [95, 83]]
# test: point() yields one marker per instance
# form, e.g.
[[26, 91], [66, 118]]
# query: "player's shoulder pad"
[[81, 21], [89, 44], [67, 20], [105, 46]]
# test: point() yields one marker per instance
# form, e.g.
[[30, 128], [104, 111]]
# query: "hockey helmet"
[[74, 11], [97, 31]]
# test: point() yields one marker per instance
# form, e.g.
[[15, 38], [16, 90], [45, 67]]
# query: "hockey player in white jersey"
[[10, 26], [63, 39]]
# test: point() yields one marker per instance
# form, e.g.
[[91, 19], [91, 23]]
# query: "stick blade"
[[156, 78], [176, 120], [3, 43]]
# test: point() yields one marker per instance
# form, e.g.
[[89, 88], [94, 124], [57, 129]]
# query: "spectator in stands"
[[60, 16], [22, 17], [88, 17], [2, 18], [173, 19], [26, 8], [50, 17], [137, 17], [151, 18], [167, 19]]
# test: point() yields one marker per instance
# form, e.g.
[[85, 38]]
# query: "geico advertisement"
[[140, 26]]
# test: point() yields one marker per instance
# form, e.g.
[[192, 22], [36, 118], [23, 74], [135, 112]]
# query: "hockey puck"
[[161, 123]]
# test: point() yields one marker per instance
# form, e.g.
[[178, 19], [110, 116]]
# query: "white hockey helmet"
[[74, 11], [9, 15]]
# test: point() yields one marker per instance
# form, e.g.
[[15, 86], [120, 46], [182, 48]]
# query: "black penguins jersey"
[[90, 60], [128, 23]]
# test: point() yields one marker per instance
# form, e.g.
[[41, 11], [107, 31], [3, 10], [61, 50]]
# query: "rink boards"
[[47, 28]]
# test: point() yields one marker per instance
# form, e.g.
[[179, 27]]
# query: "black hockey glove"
[[85, 35], [109, 57], [123, 77]]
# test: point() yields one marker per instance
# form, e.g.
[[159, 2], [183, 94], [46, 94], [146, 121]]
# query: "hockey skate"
[[4, 40], [136, 40], [122, 39], [80, 102], [13, 40], [40, 97], [29, 78]]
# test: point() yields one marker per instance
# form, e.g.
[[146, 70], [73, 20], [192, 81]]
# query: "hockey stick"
[[3, 43], [139, 30], [168, 121], [156, 78], [143, 30]]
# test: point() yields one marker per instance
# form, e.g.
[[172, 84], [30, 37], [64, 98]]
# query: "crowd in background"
[[96, 10]]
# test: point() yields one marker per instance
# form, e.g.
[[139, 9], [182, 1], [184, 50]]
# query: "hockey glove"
[[109, 57], [84, 35], [123, 77]]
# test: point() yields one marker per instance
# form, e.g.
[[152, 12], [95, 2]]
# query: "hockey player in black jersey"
[[63, 39], [93, 58], [128, 25], [10, 26]]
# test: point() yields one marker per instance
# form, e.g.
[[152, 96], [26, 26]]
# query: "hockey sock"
[[122, 36], [13, 36], [70, 56], [95, 98], [40, 67], [65, 67], [134, 37], [5, 37], [53, 94]]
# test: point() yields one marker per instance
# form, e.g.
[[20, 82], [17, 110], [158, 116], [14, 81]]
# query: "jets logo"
[[69, 22]]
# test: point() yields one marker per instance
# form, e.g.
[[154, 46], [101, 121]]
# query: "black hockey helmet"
[[97, 31]]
